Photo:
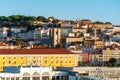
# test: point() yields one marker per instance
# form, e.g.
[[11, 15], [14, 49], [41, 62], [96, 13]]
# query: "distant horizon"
[[94, 10]]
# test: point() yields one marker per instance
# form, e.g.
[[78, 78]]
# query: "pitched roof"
[[36, 51]]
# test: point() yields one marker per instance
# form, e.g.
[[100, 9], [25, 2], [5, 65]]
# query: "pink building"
[[85, 57]]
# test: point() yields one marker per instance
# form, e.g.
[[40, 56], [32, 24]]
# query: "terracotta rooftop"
[[36, 51], [115, 33], [3, 44]]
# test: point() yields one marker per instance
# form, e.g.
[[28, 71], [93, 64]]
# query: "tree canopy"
[[21, 20]]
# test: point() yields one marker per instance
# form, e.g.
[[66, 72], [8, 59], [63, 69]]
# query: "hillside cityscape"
[[40, 48]]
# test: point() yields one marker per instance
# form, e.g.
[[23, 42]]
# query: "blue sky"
[[95, 10]]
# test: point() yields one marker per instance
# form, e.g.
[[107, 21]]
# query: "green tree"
[[32, 18], [112, 60], [4, 23], [2, 18], [108, 23], [14, 18], [41, 18]]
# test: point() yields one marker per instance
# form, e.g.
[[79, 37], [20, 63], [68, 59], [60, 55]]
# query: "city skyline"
[[102, 10]]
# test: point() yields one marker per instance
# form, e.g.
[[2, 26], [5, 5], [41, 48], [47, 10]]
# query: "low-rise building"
[[102, 73]]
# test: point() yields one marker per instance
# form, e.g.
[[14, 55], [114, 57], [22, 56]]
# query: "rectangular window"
[[39, 60], [34, 61], [65, 59], [45, 61], [14, 62], [28, 58], [9, 62], [69, 61], [56, 59], [45, 57], [52, 59], [3, 62]]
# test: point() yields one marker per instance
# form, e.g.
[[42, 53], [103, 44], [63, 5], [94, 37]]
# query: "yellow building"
[[98, 44], [108, 53], [73, 39], [37, 57], [56, 36]]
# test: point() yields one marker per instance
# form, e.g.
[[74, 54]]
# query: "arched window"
[[45, 76], [26, 76], [36, 76]]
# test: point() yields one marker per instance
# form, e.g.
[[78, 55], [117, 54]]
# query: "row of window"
[[27, 60]]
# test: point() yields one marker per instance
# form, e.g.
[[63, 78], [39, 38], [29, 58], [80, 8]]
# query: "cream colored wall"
[[107, 54], [73, 39]]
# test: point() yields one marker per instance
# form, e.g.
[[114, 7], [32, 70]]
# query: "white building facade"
[[33, 73]]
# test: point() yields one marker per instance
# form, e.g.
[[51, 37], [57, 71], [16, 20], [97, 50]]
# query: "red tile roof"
[[35, 51], [3, 44], [117, 32]]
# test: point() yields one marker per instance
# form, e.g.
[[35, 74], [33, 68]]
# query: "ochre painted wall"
[[38, 60]]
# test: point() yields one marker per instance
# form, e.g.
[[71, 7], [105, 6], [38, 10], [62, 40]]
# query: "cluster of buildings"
[[82, 41]]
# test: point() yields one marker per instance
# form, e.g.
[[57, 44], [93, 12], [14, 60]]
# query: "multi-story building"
[[69, 40], [88, 41], [37, 57], [77, 51], [111, 53], [88, 49], [96, 58], [85, 57], [98, 44], [93, 58], [30, 34], [115, 37], [56, 36], [23, 35], [64, 31]]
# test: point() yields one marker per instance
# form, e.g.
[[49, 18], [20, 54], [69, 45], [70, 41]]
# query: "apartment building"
[[111, 53]]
